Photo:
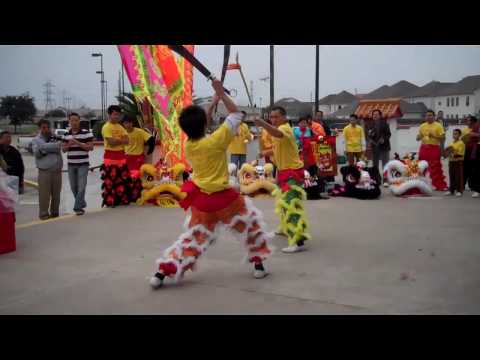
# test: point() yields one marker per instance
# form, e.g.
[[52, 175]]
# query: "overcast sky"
[[364, 68]]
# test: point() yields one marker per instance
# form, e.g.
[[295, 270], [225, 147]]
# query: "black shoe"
[[79, 212]]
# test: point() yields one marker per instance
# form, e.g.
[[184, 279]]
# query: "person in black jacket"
[[380, 141], [13, 158]]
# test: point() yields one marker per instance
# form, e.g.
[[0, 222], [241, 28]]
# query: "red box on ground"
[[7, 233]]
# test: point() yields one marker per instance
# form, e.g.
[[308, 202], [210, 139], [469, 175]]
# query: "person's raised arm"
[[272, 130], [229, 104], [211, 107]]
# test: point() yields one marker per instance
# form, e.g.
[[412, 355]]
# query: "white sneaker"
[[293, 249], [259, 274], [385, 184], [458, 194], [156, 282], [447, 193], [475, 194]]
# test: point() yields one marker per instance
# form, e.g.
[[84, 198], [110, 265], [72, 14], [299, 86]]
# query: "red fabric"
[[206, 202], [307, 149], [431, 154], [7, 235], [284, 175], [114, 157], [134, 162], [167, 269]]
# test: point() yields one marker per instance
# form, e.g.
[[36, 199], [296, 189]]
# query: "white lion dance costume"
[[408, 177]]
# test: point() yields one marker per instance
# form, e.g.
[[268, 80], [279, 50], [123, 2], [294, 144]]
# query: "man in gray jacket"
[[48, 158]]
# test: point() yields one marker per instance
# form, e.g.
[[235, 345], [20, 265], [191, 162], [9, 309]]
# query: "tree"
[[56, 113], [129, 106], [18, 108]]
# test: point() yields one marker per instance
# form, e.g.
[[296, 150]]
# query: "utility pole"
[[48, 96], [317, 75], [272, 94]]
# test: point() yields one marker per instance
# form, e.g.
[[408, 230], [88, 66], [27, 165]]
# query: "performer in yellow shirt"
[[114, 170], [214, 204], [290, 178], [238, 146], [354, 140], [135, 150], [431, 134], [456, 154]]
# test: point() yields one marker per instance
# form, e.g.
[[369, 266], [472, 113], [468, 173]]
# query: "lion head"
[[256, 180]]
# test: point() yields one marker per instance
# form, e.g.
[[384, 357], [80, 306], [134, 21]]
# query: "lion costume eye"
[[149, 178]]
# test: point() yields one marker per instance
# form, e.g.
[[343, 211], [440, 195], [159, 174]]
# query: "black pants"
[[471, 170], [455, 172]]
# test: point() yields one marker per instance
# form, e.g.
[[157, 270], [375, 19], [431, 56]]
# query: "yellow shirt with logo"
[[458, 150], [136, 141], [354, 138], [427, 129], [115, 131], [208, 158], [239, 142], [285, 150]]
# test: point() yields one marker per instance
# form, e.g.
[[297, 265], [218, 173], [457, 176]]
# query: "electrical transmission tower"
[[48, 92]]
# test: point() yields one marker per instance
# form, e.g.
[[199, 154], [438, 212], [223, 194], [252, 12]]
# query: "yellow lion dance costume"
[[256, 181], [162, 186]]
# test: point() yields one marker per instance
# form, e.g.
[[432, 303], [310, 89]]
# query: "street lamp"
[[102, 89]]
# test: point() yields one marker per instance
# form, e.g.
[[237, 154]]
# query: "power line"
[[48, 92]]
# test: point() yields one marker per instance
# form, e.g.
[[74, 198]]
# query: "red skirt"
[[204, 202], [432, 154], [134, 162]]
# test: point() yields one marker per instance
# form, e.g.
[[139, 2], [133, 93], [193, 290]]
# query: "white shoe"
[[458, 194], [293, 249], [475, 194], [386, 185], [447, 193], [259, 274], [156, 282]]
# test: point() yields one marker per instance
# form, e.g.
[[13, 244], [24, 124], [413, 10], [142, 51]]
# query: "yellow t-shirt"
[[354, 138], [208, 158], [265, 140], [136, 141], [426, 129], [458, 152], [285, 150], [115, 131], [239, 142]]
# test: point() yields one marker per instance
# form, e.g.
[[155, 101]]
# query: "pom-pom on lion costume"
[[162, 185], [256, 180]]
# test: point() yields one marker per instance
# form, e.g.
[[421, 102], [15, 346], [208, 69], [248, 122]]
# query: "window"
[[339, 107], [456, 116], [448, 101], [456, 102], [467, 101], [439, 103]]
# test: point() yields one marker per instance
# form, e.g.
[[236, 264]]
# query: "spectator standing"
[[431, 134], [471, 138], [354, 140], [319, 125], [456, 153], [238, 146], [48, 158], [380, 142], [77, 143], [13, 159]]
